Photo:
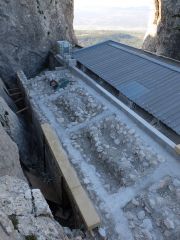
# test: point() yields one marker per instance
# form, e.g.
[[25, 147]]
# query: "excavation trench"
[[50, 171], [40, 166]]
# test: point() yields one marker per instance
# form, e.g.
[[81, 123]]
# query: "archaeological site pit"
[[109, 155]]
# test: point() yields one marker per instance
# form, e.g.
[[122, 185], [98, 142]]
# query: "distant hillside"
[[91, 37], [111, 18]]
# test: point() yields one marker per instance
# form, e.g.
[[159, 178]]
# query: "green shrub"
[[14, 221], [31, 237]]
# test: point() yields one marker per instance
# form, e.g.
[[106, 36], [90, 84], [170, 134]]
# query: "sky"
[[85, 4], [112, 14]]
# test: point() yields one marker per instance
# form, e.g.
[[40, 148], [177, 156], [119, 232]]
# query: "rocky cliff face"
[[28, 30], [9, 156], [163, 36], [24, 213]]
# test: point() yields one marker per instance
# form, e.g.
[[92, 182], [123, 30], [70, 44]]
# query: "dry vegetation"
[[90, 37]]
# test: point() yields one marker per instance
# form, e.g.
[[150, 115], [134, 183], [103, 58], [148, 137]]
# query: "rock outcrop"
[[14, 127], [29, 28], [24, 213], [9, 156], [163, 36]]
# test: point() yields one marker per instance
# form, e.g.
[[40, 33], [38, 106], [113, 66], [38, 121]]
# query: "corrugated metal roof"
[[152, 84]]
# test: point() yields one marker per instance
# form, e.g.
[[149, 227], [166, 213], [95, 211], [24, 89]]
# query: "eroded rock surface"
[[28, 31], [163, 37], [24, 213], [14, 127], [9, 156]]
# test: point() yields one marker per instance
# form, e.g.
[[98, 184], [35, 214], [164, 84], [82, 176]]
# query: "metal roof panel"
[[150, 83]]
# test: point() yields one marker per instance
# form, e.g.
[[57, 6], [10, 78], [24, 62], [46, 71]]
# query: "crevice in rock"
[[33, 203]]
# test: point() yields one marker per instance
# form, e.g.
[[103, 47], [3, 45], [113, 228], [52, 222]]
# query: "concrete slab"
[[86, 208]]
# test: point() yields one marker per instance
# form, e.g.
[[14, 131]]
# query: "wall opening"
[[123, 21]]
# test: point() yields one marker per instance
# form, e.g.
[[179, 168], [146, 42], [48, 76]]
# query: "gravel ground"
[[116, 149], [154, 214]]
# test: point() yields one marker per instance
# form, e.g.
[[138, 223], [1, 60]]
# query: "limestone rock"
[[41, 227], [6, 224], [14, 128], [141, 215], [13, 236], [9, 156], [9, 120], [28, 30], [147, 224], [4, 95], [41, 206], [12, 200], [19, 219], [169, 223], [163, 37]]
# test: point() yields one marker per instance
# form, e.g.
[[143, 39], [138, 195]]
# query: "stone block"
[[177, 149]]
